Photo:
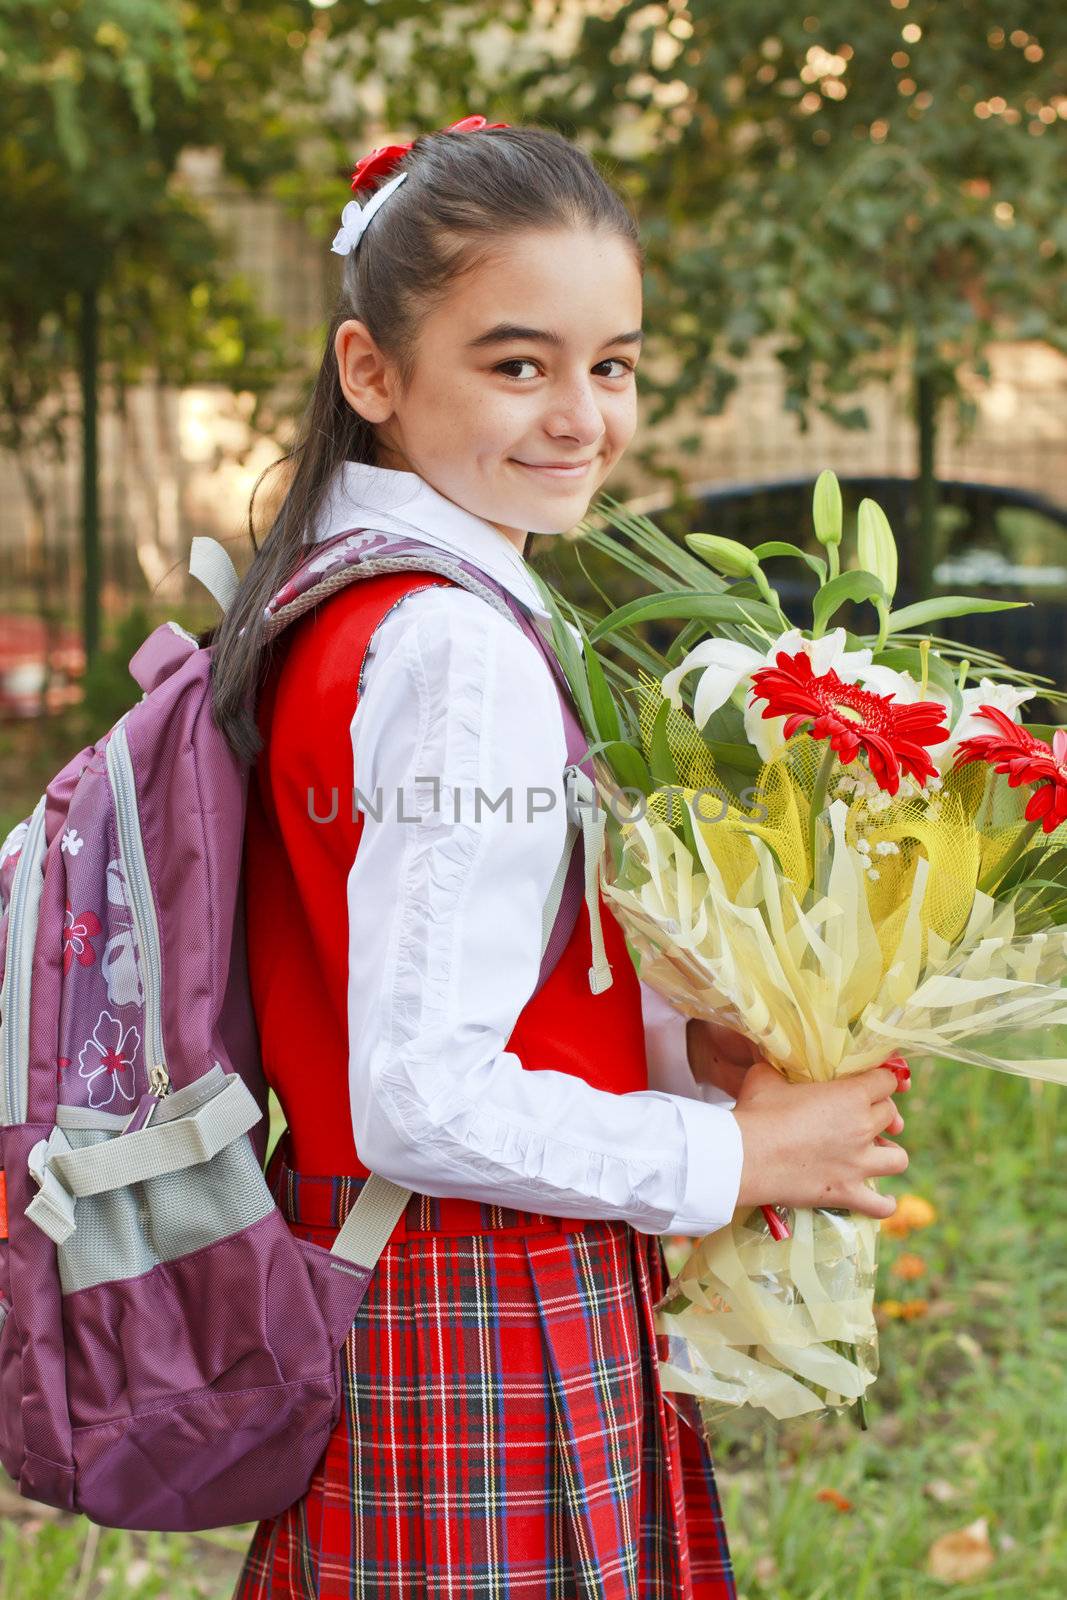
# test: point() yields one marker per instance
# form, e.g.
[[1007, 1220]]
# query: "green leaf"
[[644, 536], [629, 767], [605, 712], [1037, 858], [852, 585], [947, 605], [877, 547], [826, 508], [745, 757], [684, 603], [780, 547], [570, 659], [661, 757]]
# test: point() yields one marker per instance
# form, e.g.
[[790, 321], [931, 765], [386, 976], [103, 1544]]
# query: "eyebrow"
[[513, 332]]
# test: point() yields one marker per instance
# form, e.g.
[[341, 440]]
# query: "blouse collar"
[[362, 494]]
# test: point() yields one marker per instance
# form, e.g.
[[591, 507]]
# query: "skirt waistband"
[[319, 1200]]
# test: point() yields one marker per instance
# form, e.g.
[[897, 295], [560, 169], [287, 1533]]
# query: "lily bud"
[[826, 508], [728, 556]]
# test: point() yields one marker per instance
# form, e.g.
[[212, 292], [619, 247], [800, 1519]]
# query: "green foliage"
[[728, 556], [109, 686], [875, 545], [119, 270], [854, 585], [946, 605], [845, 180]]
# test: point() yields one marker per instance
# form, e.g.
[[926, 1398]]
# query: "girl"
[[504, 1432]]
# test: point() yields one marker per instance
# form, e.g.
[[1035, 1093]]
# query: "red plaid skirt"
[[503, 1430]]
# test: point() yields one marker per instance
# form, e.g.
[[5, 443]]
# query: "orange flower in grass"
[[834, 1497], [853, 718], [912, 1212], [908, 1267], [1025, 759], [903, 1310]]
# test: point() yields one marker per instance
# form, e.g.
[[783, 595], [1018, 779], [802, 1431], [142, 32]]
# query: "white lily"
[[726, 663], [1003, 696]]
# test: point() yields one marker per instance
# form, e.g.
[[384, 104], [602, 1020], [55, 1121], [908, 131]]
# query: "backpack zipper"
[[135, 868], [24, 903]]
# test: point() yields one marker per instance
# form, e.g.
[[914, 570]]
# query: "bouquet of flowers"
[[835, 845]]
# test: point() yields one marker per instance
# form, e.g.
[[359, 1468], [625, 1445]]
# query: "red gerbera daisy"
[[852, 718], [384, 159], [1025, 759]]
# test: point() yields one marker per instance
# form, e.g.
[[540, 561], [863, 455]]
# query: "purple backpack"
[[169, 1350]]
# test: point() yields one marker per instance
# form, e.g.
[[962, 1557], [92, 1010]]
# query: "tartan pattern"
[[503, 1434]]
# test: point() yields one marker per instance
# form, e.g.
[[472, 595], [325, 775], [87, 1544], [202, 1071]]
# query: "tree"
[[117, 270], [854, 181]]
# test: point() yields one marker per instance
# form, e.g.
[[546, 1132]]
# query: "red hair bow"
[[385, 158]]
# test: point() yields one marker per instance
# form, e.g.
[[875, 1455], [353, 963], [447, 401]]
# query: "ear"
[[363, 371]]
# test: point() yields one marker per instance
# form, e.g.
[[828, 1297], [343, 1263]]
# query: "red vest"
[[295, 873]]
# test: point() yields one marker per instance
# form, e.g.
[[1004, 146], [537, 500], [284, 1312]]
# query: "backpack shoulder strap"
[[361, 553]]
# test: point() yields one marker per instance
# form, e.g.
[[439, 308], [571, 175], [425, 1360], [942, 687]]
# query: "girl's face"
[[528, 363]]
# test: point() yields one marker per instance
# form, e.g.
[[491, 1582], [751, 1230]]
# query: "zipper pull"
[[142, 1112]]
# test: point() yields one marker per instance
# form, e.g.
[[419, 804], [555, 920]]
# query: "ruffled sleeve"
[[445, 900]]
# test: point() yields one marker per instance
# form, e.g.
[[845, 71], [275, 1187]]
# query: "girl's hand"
[[816, 1144], [718, 1055]]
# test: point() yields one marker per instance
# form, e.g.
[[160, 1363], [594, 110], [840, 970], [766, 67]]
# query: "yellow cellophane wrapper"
[[829, 971]]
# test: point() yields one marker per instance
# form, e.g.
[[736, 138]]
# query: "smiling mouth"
[[575, 469]]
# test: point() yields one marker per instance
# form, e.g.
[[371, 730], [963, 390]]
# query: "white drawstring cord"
[[593, 823]]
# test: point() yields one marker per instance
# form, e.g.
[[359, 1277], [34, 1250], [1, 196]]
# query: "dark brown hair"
[[465, 192]]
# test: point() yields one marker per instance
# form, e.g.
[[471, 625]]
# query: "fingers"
[[887, 1118], [879, 1082], [889, 1160], [871, 1204], [892, 1077], [894, 1126]]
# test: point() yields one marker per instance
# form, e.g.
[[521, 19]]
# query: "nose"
[[576, 415]]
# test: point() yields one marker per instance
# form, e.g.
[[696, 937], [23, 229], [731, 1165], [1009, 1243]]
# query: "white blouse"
[[445, 899]]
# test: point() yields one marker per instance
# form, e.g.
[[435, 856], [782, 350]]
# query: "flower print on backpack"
[[107, 1061], [78, 934]]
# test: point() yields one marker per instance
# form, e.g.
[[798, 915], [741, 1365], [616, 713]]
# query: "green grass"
[[969, 1415], [71, 1558], [968, 1418]]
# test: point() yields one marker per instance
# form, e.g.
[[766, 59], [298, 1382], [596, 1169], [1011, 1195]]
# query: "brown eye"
[[527, 361], [517, 361]]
